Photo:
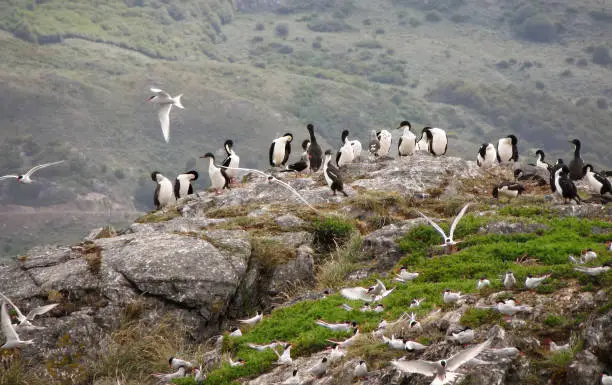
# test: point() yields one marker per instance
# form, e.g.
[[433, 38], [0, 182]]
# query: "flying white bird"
[[443, 370], [414, 324], [24, 321], [357, 293], [26, 178], [12, 339], [166, 102], [594, 271], [383, 294], [285, 358], [336, 354], [164, 378], [448, 240], [416, 302], [482, 283], [271, 179], [340, 327], [532, 282], [253, 320]]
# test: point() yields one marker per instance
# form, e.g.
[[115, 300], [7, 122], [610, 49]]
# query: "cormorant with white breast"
[[182, 184], [332, 175], [540, 160], [564, 186], [508, 189], [384, 138], [436, 140], [232, 160], [598, 182], [315, 153], [218, 178], [407, 142], [576, 165], [345, 155], [552, 169], [164, 193], [280, 150], [487, 155], [507, 150]]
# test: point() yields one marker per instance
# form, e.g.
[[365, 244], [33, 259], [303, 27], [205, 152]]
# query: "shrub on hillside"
[[539, 28], [370, 44], [433, 17], [329, 26], [331, 232], [259, 27], [282, 30], [601, 56]]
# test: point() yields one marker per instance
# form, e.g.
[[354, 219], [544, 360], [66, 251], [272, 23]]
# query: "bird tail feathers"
[[177, 101]]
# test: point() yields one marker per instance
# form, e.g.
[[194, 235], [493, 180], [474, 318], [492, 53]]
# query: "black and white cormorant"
[[218, 178], [232, 160], [407, 142], [552, 169], [435, 139], [540, 160], [345, 155], [507, 150], [280, 149], [564, 186], [487, 155], [301, 164], [508, 189], [598, 182], [182, 184], [519, 175], [164, 192]]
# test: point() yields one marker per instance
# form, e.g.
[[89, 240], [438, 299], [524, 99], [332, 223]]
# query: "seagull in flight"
[[25, 178], [166, 102], [443, 370], [273, 179], [448, 240], [24, 321], [12, 339]]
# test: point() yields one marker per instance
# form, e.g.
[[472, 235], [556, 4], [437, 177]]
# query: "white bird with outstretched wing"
[[448, 240]]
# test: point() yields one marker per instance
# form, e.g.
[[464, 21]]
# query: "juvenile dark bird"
[[576, 165], [315, 153]]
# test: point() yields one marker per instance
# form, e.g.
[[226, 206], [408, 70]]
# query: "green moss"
[[159, 216], [331, 232], [270, 253], [475, 318]]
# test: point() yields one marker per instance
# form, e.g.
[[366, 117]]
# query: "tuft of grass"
[[331, 232], [107, 232], [343, 261], [271, 253], [92, 254], [475, 318], [159, 216], [14, 372]]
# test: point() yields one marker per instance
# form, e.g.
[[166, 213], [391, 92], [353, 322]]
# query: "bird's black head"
[[310, 127], [233, 329], [575, 142], [229, 144], [518, 172], [559, 161], [529, 275], [290, 136], [413, 323], [208, 155], [354, 324], [443, 363], [153, 176], [520, 188], [170, 361], [194, 174], [565, 169], [328, 152], [587, 168], [483, 278], [345, 134], [608, 263], [361, 362], [259, 312], [305, 144], [404, 124], [513, 138], [495, 191], [541, 154], [295, 372], [324, 359]]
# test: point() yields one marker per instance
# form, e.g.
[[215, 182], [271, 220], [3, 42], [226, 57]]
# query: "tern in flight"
[[448, 240], [25, 178]]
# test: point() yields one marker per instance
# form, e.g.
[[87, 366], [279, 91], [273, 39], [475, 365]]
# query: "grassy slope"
[[487, 255], [85, 101]]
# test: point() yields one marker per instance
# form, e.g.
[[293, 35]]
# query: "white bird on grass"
[[24, 321], [443, 370], [357, 293], [235, 332], [294, 379], [26, 178], [253, 320], [395, 343], [414, 346], [405, 276], [339, 327], [261, 348], [416, 302], [361, 370], [319, 368], [557, 348], [285, 358], [12, 338], [164, 378], [336, 354], [450, 297], [532, 282], [233, 363], [482, 283], [594, 271], [176, 363], [589, 255], [606, 379], [166, 102], [347, 342], [464, 336], [448, 240]]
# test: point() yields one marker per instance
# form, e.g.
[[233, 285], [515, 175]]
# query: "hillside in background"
[[74, 76]]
